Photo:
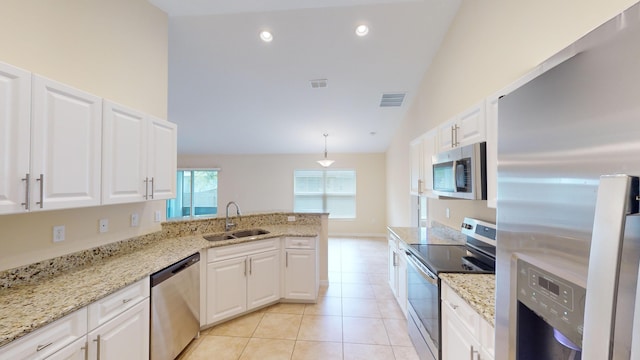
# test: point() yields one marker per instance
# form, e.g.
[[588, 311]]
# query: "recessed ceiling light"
[[266, 36], [362, 30]]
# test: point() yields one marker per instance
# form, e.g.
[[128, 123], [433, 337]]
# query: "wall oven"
[[461, 172], [425, 261]]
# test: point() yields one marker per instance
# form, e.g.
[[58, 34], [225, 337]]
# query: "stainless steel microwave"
[[461, 172]]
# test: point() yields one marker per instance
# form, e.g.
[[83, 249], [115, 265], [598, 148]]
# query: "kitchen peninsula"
[[38, 294]]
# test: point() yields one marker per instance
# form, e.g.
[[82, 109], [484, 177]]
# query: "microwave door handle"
[[614, 201], [454, 179]]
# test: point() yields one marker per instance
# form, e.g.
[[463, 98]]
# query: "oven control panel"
[[559, 302]]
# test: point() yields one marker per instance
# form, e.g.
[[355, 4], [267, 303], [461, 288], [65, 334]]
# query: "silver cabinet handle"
[[152, 187], [27, 197], [146, 188], [250, 266], [86, 350], [124, 301], [245, 267], [97, 340], [474, 354], [41, 202], [453, 143], [395, 259], [456, 128], [286, 258], [42, 347]]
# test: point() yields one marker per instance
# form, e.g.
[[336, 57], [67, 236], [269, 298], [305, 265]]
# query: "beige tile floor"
[[356, 317]]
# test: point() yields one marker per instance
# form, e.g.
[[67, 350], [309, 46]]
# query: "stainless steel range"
[[425, 263]]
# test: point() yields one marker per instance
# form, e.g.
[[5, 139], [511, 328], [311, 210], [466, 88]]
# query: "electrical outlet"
[[58, 233], [158, 216], [447, 213], [104, 225], [135, 220], [291, 218]]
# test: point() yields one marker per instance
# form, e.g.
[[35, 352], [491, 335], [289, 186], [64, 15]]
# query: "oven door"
[[424, 308]]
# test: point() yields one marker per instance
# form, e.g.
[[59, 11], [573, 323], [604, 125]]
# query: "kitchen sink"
[[219, 237], [249, 232], [236, 234]]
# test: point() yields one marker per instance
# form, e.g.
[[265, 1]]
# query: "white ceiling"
[[231, 93]]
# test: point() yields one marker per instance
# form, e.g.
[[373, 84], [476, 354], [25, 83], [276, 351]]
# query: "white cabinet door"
[[471, 126], [393, 267], [300, 274], [15, 125], [124, 154], [457, 343], [123, 337], [66, 145], [263, 282], [402, 295], [466, 128], [446, 135], [226, 288], [77, 350], [429, 148], [162, 159], [416, 167]]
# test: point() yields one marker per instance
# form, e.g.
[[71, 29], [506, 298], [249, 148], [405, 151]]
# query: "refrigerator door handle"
[[615, 200]]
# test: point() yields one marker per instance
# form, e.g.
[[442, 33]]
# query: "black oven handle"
[[421, 269]]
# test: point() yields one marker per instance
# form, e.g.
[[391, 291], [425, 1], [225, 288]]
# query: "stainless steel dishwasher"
[[175, 308]]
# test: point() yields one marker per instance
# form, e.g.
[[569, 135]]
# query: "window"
[[332, 191], [196, 194]]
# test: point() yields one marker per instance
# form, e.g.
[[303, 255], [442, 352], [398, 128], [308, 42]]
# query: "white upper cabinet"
[[422, 150], [466, 128], [124, 154], [66, 145], [139, 156], [15, 125], [162, 159]]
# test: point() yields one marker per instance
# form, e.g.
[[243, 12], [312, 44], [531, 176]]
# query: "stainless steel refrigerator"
[[568, 238]]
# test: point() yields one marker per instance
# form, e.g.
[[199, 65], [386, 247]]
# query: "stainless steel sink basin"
[[236, 234], [249, 232], [219, 237]]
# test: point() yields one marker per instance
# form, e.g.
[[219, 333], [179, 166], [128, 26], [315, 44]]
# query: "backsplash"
[[446, 232], [171, 229]]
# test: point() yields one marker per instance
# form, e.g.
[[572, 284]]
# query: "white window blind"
[[332, 191]]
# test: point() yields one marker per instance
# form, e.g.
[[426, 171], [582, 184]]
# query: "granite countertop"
[[476, 289], [27, 307], [433, 235]]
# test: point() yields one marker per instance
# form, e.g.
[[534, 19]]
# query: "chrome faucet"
[[228, 225]]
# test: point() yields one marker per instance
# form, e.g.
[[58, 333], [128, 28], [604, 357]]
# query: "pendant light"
[[325, 162]]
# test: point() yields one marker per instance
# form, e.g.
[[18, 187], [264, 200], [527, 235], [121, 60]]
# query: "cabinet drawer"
[[111, 306], [49, 339], [299, 243], [465, 313], [244, 249]]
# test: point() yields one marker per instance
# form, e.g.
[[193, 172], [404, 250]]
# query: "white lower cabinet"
[[398, 271], [124, 337], [465, 335], [300, 269], [242, 277], [117, 326]]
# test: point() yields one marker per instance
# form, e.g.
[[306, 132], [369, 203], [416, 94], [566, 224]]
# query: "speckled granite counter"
[[30, 304], [476, 289], [438, 234]]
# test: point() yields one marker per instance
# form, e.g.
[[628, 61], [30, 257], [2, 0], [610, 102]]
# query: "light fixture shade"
[[325, 162]]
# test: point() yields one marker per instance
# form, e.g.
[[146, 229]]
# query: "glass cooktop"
[[450, 258]]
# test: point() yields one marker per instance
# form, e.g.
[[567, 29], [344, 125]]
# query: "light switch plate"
[[135, 221], [158, 216]]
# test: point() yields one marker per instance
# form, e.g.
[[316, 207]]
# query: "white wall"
[[260, 183], [490, 44], [116, 49]]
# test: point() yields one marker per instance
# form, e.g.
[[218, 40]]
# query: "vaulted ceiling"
[[232, 93]]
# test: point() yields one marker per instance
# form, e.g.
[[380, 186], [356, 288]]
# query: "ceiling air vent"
[[318, 83], [392, 99]]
